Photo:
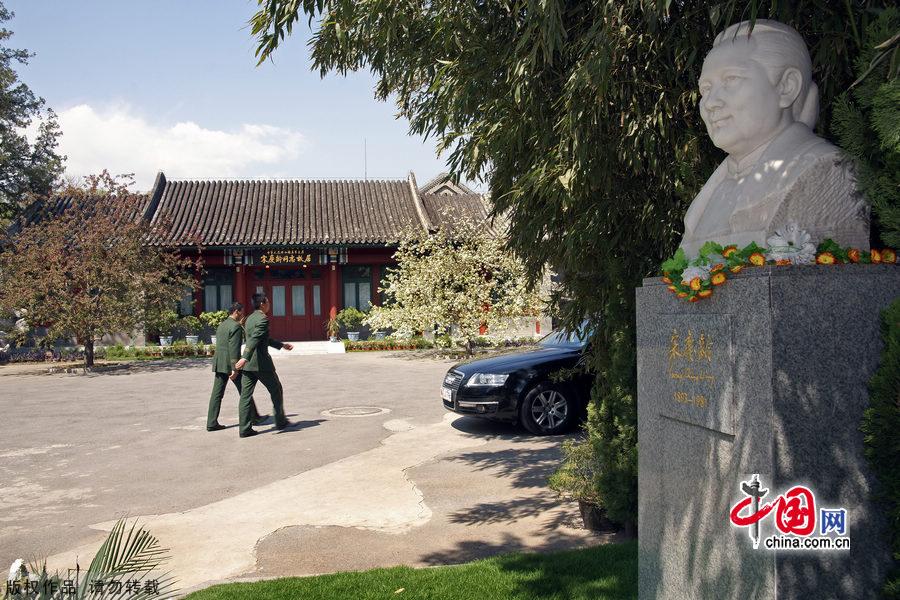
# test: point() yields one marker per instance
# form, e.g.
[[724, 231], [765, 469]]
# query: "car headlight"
[[487, 379]]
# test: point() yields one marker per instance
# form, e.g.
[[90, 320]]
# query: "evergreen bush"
[[881, 430], [867, 124]]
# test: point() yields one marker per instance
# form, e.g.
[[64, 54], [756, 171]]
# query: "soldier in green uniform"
[[256, 365], [229, 336]]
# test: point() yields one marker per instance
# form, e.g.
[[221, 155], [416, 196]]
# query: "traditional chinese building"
[[313, 247]]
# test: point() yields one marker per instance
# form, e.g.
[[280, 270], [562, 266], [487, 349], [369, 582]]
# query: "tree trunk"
[[470, 347], [88, 352]]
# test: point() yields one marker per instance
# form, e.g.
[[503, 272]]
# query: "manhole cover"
[[355, 411]]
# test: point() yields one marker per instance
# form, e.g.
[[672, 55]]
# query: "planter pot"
[[378, 335], [165, 340], [353, 336], [594, 517], [333, 338], [192, 339], [212, 340]]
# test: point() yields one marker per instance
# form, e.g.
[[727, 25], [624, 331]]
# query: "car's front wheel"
[[548, 409]]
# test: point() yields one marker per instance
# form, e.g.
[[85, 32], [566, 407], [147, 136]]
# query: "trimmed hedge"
[[177, 350], [388, 343]]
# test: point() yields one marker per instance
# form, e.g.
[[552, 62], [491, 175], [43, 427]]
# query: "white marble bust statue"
[[759, 104]]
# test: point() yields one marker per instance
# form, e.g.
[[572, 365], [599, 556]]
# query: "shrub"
[[191, 324], [388, 343], [164, 322], [351, 318], [214, 318], [576, 478], [119, 351], [880, 425]]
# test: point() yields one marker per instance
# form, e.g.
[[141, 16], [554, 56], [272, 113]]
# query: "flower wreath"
[[695, 279]]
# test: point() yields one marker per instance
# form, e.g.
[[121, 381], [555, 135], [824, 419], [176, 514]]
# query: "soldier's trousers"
[[218, 392], [270, 380]]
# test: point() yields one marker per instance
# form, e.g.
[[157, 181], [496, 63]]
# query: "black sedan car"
[[517, 387]]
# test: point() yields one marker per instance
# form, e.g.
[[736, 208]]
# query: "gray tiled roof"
[[444, 181], [219, 213], [49, 208], [313, 212], [446, 209]]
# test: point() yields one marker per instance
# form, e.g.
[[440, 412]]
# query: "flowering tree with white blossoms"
[[459, 279]]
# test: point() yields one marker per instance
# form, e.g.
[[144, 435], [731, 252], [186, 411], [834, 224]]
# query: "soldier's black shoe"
[[216, 427], [260, 419], [250, 433], [285, 425]]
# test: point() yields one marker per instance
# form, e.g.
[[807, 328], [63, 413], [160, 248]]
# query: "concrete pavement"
[[410, 484]]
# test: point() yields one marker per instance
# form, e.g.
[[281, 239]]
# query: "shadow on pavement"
[[155, 366], [527, 466], [298, 426], [487, 428], [487, 513]]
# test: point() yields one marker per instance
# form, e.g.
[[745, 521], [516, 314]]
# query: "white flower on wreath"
[[793, 244], [701, 271]]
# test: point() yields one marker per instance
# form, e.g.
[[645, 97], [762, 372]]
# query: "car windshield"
[[573, 339]]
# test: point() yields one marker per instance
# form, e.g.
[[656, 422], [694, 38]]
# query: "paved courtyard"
[[410, 484]]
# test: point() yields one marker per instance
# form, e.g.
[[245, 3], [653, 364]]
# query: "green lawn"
[[606, 572]]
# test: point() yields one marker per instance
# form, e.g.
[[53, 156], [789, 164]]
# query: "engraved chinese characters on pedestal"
[[698, 375]]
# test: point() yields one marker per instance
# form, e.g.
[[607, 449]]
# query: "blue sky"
[[172, 84]]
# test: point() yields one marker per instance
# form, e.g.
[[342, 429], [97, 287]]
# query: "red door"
[[297, 298]]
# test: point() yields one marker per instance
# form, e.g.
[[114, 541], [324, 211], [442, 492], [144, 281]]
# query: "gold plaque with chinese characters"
[[697, 359], [287, 257]]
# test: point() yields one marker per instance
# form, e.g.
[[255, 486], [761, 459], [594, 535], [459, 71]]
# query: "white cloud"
[[122, 142]]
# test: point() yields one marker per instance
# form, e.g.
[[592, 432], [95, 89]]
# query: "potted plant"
[[351, 319], [191, 325], [332, 326], [213, 319], [165, 322], [575, 480]]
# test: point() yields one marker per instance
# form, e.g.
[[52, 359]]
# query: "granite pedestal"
[[768, 376]]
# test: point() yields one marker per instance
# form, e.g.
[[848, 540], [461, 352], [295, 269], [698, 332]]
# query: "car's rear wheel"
[[548, 409]]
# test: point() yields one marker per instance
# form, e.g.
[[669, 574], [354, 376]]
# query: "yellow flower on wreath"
[[737, 268], [825, 258], [875, 256], [853, 255], [757, 259], [704, 293], [728, 251], [718, 278], [696, 284], [888, 255]]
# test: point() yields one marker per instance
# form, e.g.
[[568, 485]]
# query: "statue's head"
[[754, 84]]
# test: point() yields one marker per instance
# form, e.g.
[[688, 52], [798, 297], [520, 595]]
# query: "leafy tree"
[[82, 268], [26, 169], [867, 122], [582, 117], [458, 279]]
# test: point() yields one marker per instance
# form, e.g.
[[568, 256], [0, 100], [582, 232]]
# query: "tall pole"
[[365, 160]]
